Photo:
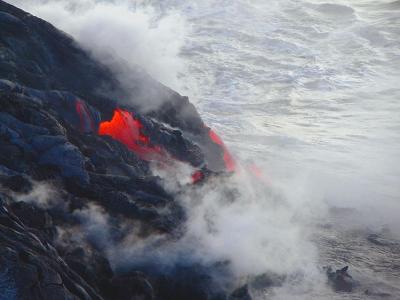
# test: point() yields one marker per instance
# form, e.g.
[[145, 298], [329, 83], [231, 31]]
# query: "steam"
[[95, 223], [240, 220], [253, 227], [138, 34], [43, 195]]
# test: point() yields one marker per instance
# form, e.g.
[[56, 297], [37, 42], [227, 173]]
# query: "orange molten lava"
[[127, 130], [230, 163]]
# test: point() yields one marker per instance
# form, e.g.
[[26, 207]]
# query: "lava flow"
[[197, 176], [124, 128], [230, 163]]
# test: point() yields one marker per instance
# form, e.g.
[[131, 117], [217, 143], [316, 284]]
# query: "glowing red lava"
[[197, 176], [230, 163], [126, 129]]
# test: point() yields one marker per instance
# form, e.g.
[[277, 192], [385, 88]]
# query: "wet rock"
[[4, 171], [11, 156], [32, 271], [122, 204], [131, 286], [17, 183], [340, 279], [32, 216], [45, 57], [68, 159], [25, 130], [44, 142], [147, 199], [90, 265], [267, 281], [187, 282]]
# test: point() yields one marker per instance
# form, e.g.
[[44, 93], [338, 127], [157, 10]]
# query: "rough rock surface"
[[55, 167]]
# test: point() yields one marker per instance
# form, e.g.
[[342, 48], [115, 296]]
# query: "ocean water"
[[308, 83], [309, 90], [306, 90]]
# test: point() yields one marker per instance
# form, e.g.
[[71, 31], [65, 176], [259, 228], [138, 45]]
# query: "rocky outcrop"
[[54, 166]]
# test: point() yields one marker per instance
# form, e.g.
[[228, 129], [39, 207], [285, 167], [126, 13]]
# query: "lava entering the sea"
[[230, 163], [127, 129]]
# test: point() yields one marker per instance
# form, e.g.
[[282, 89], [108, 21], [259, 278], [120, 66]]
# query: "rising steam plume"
[[126, 36], [259, 228], [255, 226]]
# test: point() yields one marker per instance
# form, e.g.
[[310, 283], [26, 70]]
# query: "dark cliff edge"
[[53, 97]]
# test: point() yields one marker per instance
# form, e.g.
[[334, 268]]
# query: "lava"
[[230, 163], [124, 128], [197, 176]]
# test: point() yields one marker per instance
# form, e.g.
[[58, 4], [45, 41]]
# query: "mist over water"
[[306, 90], [120, 32]]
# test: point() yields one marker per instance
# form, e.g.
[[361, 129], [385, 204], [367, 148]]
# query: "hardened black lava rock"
[[340, 279], [67, 194], [58, 176]]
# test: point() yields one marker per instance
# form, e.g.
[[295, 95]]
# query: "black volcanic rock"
[[32, 268], [340, 280], [37, 55], [58, 177]]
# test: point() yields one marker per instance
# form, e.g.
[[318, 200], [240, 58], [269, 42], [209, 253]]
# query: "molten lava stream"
[[124, 128], [230, 163], [127, 130]]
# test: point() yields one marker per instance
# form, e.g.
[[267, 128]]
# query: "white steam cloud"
[[44, 195], [136, 33], [256, 228], [95, 223], [253, 227]]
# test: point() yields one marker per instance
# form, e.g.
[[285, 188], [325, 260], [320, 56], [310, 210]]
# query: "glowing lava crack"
[[127, 130], [230, 163]]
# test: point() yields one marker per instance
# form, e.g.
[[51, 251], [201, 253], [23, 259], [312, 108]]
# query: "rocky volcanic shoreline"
[[69, 145], [53, 96]]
